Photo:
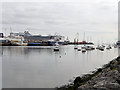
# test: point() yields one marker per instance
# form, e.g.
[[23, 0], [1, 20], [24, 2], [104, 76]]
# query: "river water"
[[41, 67]]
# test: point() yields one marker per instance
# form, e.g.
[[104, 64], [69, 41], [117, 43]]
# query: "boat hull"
[[18, 44], [56, 49], [34, 44], [52, 43], [4, 42]]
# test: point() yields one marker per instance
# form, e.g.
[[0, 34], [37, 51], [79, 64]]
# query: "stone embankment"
[[105, 78]]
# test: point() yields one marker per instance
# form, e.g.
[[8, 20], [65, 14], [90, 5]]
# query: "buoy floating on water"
[[60, 56], [79, 49]]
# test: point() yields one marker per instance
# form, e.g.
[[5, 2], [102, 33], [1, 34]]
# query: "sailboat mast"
[[77, 37], [84, 37]]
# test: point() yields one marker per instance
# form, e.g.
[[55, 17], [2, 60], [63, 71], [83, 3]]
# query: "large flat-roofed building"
[[37, 38], [43, 38]]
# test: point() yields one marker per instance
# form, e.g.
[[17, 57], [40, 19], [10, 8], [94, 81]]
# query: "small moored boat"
[[83, 50], [56, 47], [79, 49], [4, 42], [109, 47], [75, 47], [18, 42]]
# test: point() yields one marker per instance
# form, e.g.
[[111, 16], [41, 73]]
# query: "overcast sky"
[[97, 18]]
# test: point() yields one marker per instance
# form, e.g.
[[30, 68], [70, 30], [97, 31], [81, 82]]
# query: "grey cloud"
[[67, 17]]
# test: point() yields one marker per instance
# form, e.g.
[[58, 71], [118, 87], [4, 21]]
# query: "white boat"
[[100, 47], [18, 42], [109, 47], [89, 48], [83, 50], [79, 49], [52, 42], [75, 47], [83, 47], [4, 42], [56, 47]]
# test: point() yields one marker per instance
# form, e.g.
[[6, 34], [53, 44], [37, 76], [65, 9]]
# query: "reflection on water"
[[41, 67]]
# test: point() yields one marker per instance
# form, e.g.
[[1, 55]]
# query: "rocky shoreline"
[[105, 78]]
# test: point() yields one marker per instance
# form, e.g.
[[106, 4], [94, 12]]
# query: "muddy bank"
[[105, 78]]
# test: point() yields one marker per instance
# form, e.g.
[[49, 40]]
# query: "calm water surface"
[[41, 67]]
